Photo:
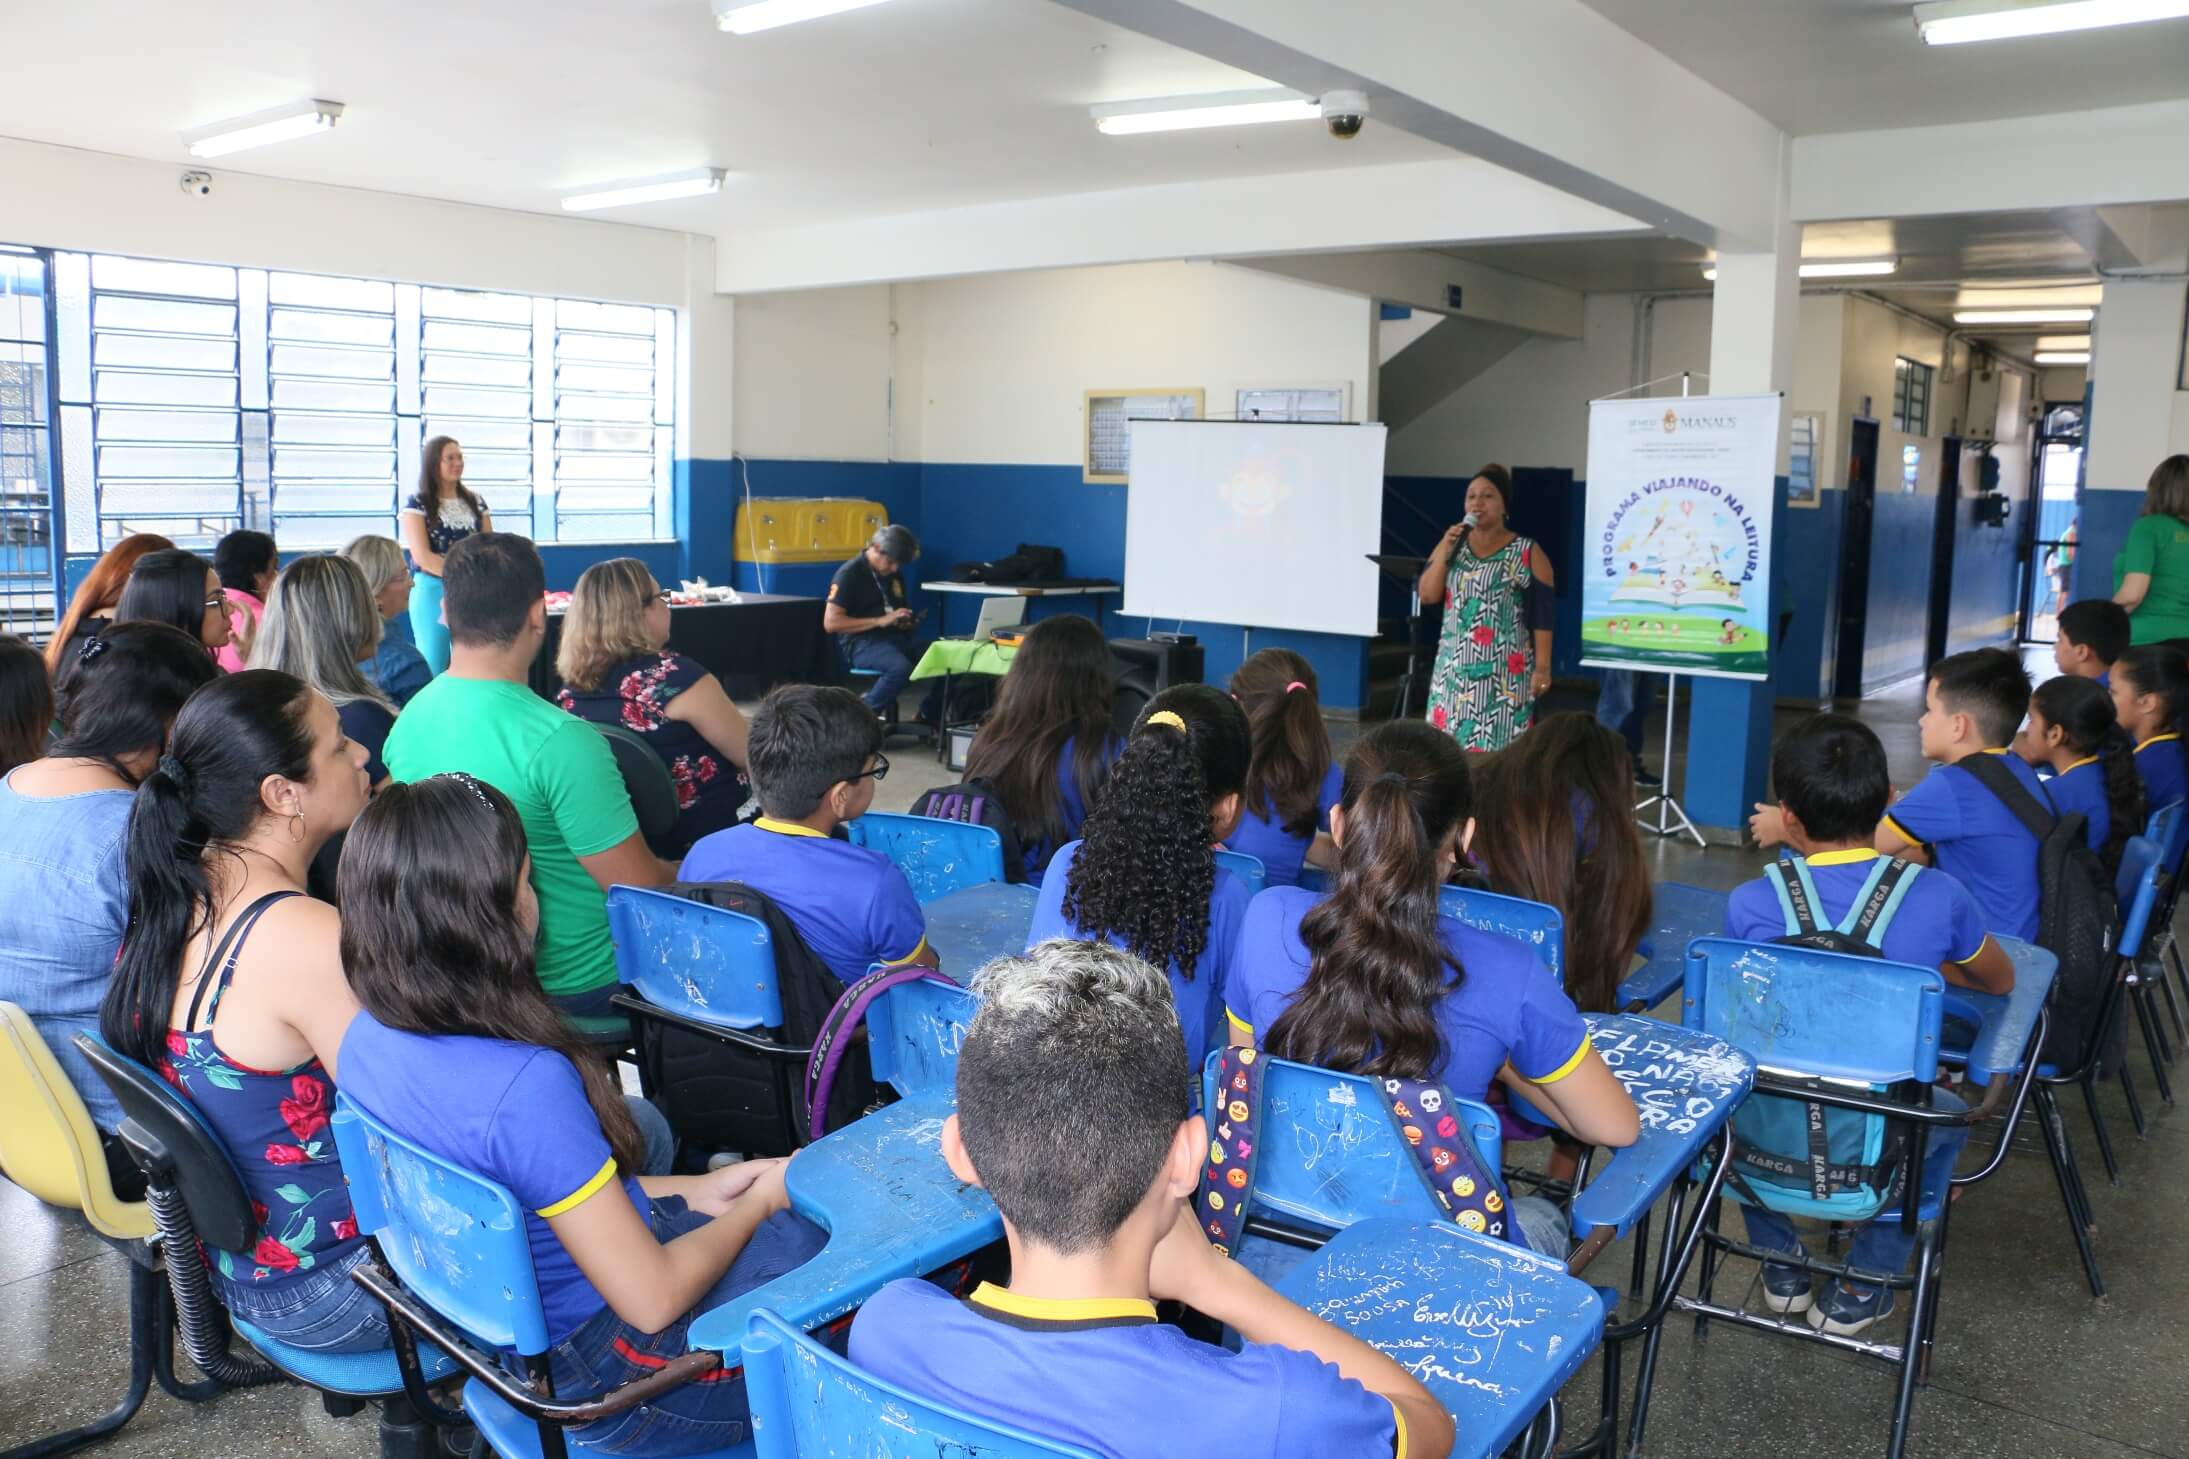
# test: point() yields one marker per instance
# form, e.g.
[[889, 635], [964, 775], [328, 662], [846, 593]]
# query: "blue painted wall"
[[1987, 571], [1900, 573], [1546, 506], [1806, 547], [2102, 522]]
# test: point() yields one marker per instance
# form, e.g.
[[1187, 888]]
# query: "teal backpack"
[[1801, 1158]]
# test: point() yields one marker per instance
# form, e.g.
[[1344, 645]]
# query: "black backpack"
[[2078, 920], [976, 803]]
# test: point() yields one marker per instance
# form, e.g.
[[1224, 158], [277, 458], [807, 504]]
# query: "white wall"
[[2139, 412], [814, 374]]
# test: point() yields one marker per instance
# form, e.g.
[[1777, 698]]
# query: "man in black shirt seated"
[[867, 613]]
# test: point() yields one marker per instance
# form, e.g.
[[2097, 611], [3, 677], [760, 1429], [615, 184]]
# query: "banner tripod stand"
[[1671, 819]]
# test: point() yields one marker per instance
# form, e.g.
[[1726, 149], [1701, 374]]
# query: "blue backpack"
[[1802, 1158]]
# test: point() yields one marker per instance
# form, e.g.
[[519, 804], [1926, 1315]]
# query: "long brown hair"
[[26, 703], [1378, 965], [430, 935], [428, 499], [1276, 688], [101, 590], [606, 623], [2166, 494], [1555, 827], [1059, 689]]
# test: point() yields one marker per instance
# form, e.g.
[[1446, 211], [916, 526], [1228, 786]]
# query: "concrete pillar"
[[2139, 415], [1753, 321]]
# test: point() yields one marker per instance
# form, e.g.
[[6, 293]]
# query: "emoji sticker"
[[1412, 1133], [1238, 1111], [1492, 1201], [1216, 1152], [1464, 1186], [1216, 1201], [1246, 1056], [1442, 1159], [1472, 1220], [1237, 1178], [1448, 1127]]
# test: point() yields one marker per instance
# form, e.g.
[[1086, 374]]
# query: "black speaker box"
[[1144, 667]]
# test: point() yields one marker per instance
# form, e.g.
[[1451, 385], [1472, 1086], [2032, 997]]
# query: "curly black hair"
[[1144, 870]]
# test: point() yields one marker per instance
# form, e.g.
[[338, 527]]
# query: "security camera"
[[197, 184], [1344, 111]]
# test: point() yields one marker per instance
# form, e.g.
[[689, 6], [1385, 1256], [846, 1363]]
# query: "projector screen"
[[1255, 523]]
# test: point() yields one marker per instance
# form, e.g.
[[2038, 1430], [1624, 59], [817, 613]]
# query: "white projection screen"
[[1255, 523]]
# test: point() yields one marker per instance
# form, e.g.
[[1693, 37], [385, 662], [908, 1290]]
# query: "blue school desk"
[[2003, 1023], [891, 1208], [1678, 913], [1491, 1331], [975, 925]]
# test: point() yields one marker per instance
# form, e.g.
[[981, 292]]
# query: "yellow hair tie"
[[1165, 716]]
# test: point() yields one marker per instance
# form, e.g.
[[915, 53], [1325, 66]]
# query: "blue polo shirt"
[[1938, 922], [1103, 1374], [1199, 997], [851, 905], [514, 1113], [2165, 778], [1039, 853], [1976, 840], [1278, 849], [2081, 788], [1506, 1007]]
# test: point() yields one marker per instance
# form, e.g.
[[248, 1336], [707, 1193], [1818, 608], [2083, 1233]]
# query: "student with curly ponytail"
[[230, 983], [1375, 980], [2150, 688], [1145, 877], [461, 1051], [2074, 731], [1293, 780]]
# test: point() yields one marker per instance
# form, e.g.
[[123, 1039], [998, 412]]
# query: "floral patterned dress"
[[1478, 689], [635, 694]]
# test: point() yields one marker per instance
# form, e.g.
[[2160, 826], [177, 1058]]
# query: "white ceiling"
[[1855, 65], [908, 106]]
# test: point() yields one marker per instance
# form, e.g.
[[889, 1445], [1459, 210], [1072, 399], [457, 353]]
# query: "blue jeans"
[[890, 654], [607, 1352], [426, 628], [1880, 1246], [1543, 1226], [652, 1123], [321, 1311], [1623, 702]]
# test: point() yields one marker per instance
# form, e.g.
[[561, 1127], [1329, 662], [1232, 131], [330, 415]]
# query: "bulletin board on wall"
[[1108, 420]]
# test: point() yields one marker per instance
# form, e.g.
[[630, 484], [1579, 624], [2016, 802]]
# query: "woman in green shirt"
[[2152, 572]]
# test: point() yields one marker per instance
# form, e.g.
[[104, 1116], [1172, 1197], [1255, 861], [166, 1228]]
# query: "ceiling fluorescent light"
[[1952, 22], [697, 182], [2024, 316], [2062, 357], [743, 17], [1216, 109], [276, 124], [1833, 268]]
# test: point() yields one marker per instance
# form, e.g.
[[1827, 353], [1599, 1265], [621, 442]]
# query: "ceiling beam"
[[1549, 89], [1422, 279], [1309, 212]]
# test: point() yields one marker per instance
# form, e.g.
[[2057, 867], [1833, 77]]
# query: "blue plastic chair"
[[463, 1277], [708, 972], [806, 1401], [2138, 890], [936, 856], [1248, 869], [2169, 828], [1533, 923], [1873, 1027], [914, 1033]]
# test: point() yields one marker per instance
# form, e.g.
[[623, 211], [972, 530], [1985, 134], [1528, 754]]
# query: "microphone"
[[1467, 524]]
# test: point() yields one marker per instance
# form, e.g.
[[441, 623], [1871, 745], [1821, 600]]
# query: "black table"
[[751, 645]]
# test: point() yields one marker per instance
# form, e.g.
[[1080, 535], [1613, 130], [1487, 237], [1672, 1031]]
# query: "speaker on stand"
[[1145, 667]]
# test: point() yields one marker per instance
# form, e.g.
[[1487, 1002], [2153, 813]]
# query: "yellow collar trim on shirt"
[[787, 828], [1848, 857], [2079, 764], [2147, 744], [1059, 1309], [1993, 752]]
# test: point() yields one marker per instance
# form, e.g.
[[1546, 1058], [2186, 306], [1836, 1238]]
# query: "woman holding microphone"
[[1494, 653]]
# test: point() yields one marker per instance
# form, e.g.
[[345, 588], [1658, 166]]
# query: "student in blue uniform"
[[458, 1050], [1072, 1114], [2073, 733], [1375, 980], [1972, 705], [814, 755], [1145, 876], [1829, 772], [1047, 746], [2150, 688], [2092, 634], [1293, 780]]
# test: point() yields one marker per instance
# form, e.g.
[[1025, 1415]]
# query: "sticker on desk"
[[1677, 1083]]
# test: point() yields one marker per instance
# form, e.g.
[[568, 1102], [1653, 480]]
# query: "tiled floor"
[[2027, 1366]]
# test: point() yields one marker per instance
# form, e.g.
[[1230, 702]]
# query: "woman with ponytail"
[[1293, 779], [230, 983], [2150, 688], [1373, 979], [1047, 746], [459, 1050], [2074, 732], [1144, 877], [178, 588], [64, 824]]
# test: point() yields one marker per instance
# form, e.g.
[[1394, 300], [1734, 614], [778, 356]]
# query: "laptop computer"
[[999, 612]]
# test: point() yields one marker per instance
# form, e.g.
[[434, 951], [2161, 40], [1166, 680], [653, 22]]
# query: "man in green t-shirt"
[[482, 717]]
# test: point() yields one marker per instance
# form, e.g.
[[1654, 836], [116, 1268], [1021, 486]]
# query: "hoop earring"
[[296, 828]]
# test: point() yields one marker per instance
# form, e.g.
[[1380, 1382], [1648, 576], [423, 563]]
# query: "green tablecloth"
[[963, 656]]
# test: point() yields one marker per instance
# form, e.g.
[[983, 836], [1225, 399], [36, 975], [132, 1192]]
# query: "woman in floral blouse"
[[616, 670]]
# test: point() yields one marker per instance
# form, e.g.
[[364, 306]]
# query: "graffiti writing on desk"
[[1332, 1138], [1675, 1086]]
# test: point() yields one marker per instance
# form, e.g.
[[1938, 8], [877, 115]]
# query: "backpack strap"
[[1879, 900], [2037, 817], [1464, 1186], [1789, 877], [837, 1027], [1227, 1176]]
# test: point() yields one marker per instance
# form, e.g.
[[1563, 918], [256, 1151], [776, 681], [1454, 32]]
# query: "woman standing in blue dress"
[[442, 513]]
